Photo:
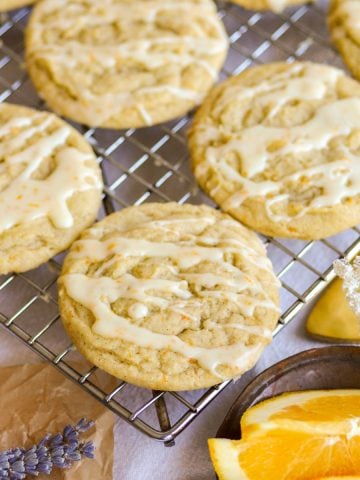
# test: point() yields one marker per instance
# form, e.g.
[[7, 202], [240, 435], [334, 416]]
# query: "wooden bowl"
[[319, 368]]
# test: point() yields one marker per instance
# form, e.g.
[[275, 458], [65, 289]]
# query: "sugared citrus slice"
[[332, 316], [335, 412], [283, 454]]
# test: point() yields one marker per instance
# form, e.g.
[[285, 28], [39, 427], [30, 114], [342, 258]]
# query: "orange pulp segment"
[[334, 412], [283, 454]]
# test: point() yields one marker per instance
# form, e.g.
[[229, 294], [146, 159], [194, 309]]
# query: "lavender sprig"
[[61, 451]]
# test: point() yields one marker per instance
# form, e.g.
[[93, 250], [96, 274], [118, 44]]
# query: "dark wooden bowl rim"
[[312, 359]]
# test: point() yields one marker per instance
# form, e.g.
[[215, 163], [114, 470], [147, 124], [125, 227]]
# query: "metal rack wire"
[[151, 165]]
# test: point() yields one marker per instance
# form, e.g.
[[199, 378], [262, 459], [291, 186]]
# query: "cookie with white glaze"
[[169, 297], [124, 63], [344, 24], [278, 147], [6, 5], [274, 5], [50, 187]]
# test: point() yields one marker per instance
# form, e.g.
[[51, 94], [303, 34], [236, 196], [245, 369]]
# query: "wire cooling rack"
[[152, 165]]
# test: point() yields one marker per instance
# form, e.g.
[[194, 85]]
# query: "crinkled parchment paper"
[[36, 399]]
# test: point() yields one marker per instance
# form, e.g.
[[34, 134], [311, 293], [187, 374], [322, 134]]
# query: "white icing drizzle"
[[188, 225], [185, 254], [98, 292], [350, 9], [136, 289], [232, 245], [17, 142], [277, 5], [210, 280], [138, 310], [283, 88], [26, 198], [16, 122], [152, 52], [336, 181]]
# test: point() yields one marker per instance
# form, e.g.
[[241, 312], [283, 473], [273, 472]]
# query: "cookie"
[[168, 296], [6, 5], [278, 147], [344, 24], [274, 5], [50, 187], [124, 63]]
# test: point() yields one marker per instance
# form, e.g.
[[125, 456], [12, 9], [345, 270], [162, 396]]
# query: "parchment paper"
[[36, 399]]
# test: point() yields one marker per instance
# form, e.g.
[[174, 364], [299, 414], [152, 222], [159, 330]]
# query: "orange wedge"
[[333, 412], [283, 454]]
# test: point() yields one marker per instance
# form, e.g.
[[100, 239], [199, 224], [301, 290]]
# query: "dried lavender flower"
[[60, 451], [351, 277]]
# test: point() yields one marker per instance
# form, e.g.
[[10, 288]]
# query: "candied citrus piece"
[[334, 412], [332, 316], [283, 454]]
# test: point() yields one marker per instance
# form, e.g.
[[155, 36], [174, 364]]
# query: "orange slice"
[[333, 412], [283, 454]]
